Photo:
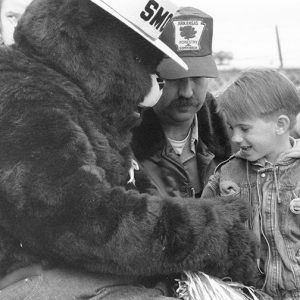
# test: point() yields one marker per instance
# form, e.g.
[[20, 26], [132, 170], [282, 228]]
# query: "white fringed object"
[[200, 286]]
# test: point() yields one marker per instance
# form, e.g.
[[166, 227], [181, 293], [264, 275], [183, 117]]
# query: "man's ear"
[[283, 124]]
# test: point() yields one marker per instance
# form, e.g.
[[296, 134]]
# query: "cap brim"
[[157, 43], [203, 66]]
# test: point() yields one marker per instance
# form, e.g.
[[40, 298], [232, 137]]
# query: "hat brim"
[[200, 66], [157, 42]]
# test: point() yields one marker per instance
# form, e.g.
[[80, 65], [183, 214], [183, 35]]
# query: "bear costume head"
[[104, 57], [69, 88]]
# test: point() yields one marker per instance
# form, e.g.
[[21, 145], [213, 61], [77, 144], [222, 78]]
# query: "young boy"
[[260, 108]]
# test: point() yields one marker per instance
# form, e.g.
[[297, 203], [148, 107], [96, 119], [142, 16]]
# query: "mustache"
[[182, 102]]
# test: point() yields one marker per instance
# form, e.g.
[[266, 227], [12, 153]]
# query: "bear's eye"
[[138, 59], [160, 81]]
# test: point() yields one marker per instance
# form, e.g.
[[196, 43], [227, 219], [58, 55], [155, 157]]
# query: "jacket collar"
[[149, 138], [285, 158]]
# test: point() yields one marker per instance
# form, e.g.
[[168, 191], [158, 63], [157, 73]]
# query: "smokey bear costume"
[[68, 90]]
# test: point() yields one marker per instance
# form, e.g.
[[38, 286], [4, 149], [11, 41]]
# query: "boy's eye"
[[244, 129]]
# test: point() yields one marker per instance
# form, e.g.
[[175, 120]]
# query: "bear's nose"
[[155, 93]]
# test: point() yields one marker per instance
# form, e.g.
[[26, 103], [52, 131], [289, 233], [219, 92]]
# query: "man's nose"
[[186, 87]]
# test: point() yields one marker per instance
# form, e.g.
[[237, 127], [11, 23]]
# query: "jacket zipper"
[[262, 231], [183, 171]]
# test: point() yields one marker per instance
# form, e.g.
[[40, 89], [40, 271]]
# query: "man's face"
[[181, 99], [11, 11]]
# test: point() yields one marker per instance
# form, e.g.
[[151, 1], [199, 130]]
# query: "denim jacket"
[[270, 189]]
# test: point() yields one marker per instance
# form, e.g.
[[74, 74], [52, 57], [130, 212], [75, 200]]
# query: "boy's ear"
[[283, 124]]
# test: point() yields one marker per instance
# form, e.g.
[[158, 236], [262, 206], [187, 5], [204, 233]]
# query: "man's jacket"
[[167, 173]]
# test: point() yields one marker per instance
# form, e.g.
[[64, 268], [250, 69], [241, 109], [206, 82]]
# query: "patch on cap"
[[146, 17], [188, 34]]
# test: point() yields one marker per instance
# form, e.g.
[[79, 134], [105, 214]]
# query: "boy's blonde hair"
[[260, 93]]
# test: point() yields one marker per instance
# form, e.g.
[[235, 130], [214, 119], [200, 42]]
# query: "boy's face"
[[257, 139]]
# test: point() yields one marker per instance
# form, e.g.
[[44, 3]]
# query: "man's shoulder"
[[212, 129], [210, 103]]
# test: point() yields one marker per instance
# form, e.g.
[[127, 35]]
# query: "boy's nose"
[[236, 137]]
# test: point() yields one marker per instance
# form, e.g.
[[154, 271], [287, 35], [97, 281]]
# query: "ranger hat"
[[146, 17], [189, 34]]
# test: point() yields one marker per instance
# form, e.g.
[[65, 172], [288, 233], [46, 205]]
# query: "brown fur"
[[68, 92]]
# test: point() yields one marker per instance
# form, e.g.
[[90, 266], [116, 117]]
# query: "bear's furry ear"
[[80, 13], [56, 28], [66, 16]]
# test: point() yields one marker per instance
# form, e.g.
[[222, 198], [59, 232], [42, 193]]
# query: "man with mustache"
[[181, 140]]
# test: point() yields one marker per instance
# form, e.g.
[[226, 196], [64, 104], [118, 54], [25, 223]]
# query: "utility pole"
[[279, 47]]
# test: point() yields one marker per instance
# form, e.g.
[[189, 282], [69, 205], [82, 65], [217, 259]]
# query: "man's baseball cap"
[[147, 18], [189, 34]]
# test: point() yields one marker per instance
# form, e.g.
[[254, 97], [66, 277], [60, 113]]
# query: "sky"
[[247, 29]]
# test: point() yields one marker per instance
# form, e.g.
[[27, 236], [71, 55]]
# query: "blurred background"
[[249, 33]]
